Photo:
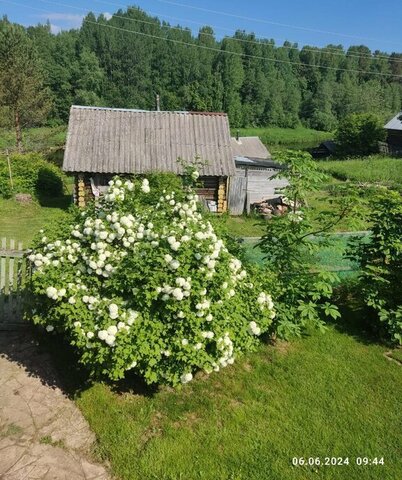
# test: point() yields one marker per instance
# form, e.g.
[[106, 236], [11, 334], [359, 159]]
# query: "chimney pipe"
[[158, 106]]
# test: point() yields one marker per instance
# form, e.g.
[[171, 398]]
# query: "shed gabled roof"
[[395, 123], [250, 147], [108, 140]]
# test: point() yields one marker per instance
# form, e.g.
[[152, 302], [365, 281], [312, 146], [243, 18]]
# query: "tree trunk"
[[18, 132]]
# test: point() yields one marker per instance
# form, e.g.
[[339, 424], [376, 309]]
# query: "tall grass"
[[374, 169], [276, 138]]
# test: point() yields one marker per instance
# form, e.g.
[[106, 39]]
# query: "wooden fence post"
[[14, 276]]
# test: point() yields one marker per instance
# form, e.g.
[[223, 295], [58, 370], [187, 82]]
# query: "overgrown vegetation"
[[359, 134], [30, 174], [374, 169], [381, 264], [303, 298], [275, 138]]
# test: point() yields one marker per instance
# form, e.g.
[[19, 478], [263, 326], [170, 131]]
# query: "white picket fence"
[[14, 275]]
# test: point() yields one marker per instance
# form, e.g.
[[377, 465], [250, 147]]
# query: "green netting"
[[331, 258]]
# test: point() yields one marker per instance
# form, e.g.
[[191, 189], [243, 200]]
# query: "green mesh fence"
[[331, 258]]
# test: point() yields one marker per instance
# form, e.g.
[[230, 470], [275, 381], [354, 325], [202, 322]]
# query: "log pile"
[[269, 207], [222, 201]]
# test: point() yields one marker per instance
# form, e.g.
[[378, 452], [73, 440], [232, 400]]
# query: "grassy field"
[[276, 138], [22, 222], [374, 169], [331, 395], [35, 139]]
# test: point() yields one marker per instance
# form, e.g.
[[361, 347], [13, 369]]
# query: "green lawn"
[[22, 222], [276, 138], [331, 395], [374, 169]]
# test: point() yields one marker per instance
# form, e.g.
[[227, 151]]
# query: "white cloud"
[[71, 20], [55, 29], [107, 15]]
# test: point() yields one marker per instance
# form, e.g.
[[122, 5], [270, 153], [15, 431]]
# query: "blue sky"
[[374, 23]]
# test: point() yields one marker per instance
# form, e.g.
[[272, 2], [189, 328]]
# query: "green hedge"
[[31, 174]]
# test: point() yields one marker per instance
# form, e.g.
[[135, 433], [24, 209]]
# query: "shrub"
[[381, 263], [141, 281], [305, 296], [31, 174], [359, 134]]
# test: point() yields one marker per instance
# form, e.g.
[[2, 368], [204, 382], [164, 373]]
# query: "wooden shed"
[[255, 171], [103, 142], [394, 137]]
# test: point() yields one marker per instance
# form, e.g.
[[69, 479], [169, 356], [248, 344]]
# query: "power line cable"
[[269, 22], [259, 40], [218, 50], [239, 54], [323, 50]]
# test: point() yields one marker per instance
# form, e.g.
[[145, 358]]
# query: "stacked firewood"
[[269, 207]]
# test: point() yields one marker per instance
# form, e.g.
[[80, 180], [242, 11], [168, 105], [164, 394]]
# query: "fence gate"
[[14, 275]]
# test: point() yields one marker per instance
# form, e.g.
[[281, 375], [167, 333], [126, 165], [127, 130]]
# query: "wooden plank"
[[3, 266], [11, 267], [237, 195]]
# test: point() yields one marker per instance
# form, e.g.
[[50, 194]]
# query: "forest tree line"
[[255, 81]]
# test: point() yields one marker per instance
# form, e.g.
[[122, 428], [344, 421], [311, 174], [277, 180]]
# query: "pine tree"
[[21, 79]]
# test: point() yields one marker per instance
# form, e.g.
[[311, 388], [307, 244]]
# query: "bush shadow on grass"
[[76, 377], [63, 202], [51, 359], [356, 319]]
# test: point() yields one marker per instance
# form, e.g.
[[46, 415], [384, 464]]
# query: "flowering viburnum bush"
[[141, 281]]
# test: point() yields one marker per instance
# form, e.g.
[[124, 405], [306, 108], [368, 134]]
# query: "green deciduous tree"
[[21, 79], [359, 134], [304, 296]]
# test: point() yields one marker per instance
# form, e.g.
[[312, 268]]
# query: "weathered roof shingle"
[[395, 123], [250, 147], [106, 140]]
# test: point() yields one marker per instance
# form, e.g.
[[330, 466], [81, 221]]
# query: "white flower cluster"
[[265, 301], [197, 279], [254, 328]]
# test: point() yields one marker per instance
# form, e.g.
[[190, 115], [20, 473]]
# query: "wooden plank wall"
[[14, 276], [258, 185], [237, 195]]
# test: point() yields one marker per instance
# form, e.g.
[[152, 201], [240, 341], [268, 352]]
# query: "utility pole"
[[158, 105], [9, 169]]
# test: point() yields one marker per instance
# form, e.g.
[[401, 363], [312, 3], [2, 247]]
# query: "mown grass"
[[22, 221], [276, 138], [373, 169], [331, 395]]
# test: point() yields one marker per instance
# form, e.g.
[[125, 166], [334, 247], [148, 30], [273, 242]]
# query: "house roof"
[[330, 145], [250, 147], [257, 163], [109, 140], [395, 123]]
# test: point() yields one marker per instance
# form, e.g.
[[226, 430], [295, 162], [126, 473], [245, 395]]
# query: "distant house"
[[255, 170], [103, 142], [394, 137], [324, 149]]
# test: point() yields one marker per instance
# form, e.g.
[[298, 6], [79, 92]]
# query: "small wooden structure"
[[255, 175], [394, 137], [324, 149], [14, 275], [103, 142]]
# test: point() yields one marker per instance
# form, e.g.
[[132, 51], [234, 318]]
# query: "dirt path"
[[43, 435]]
